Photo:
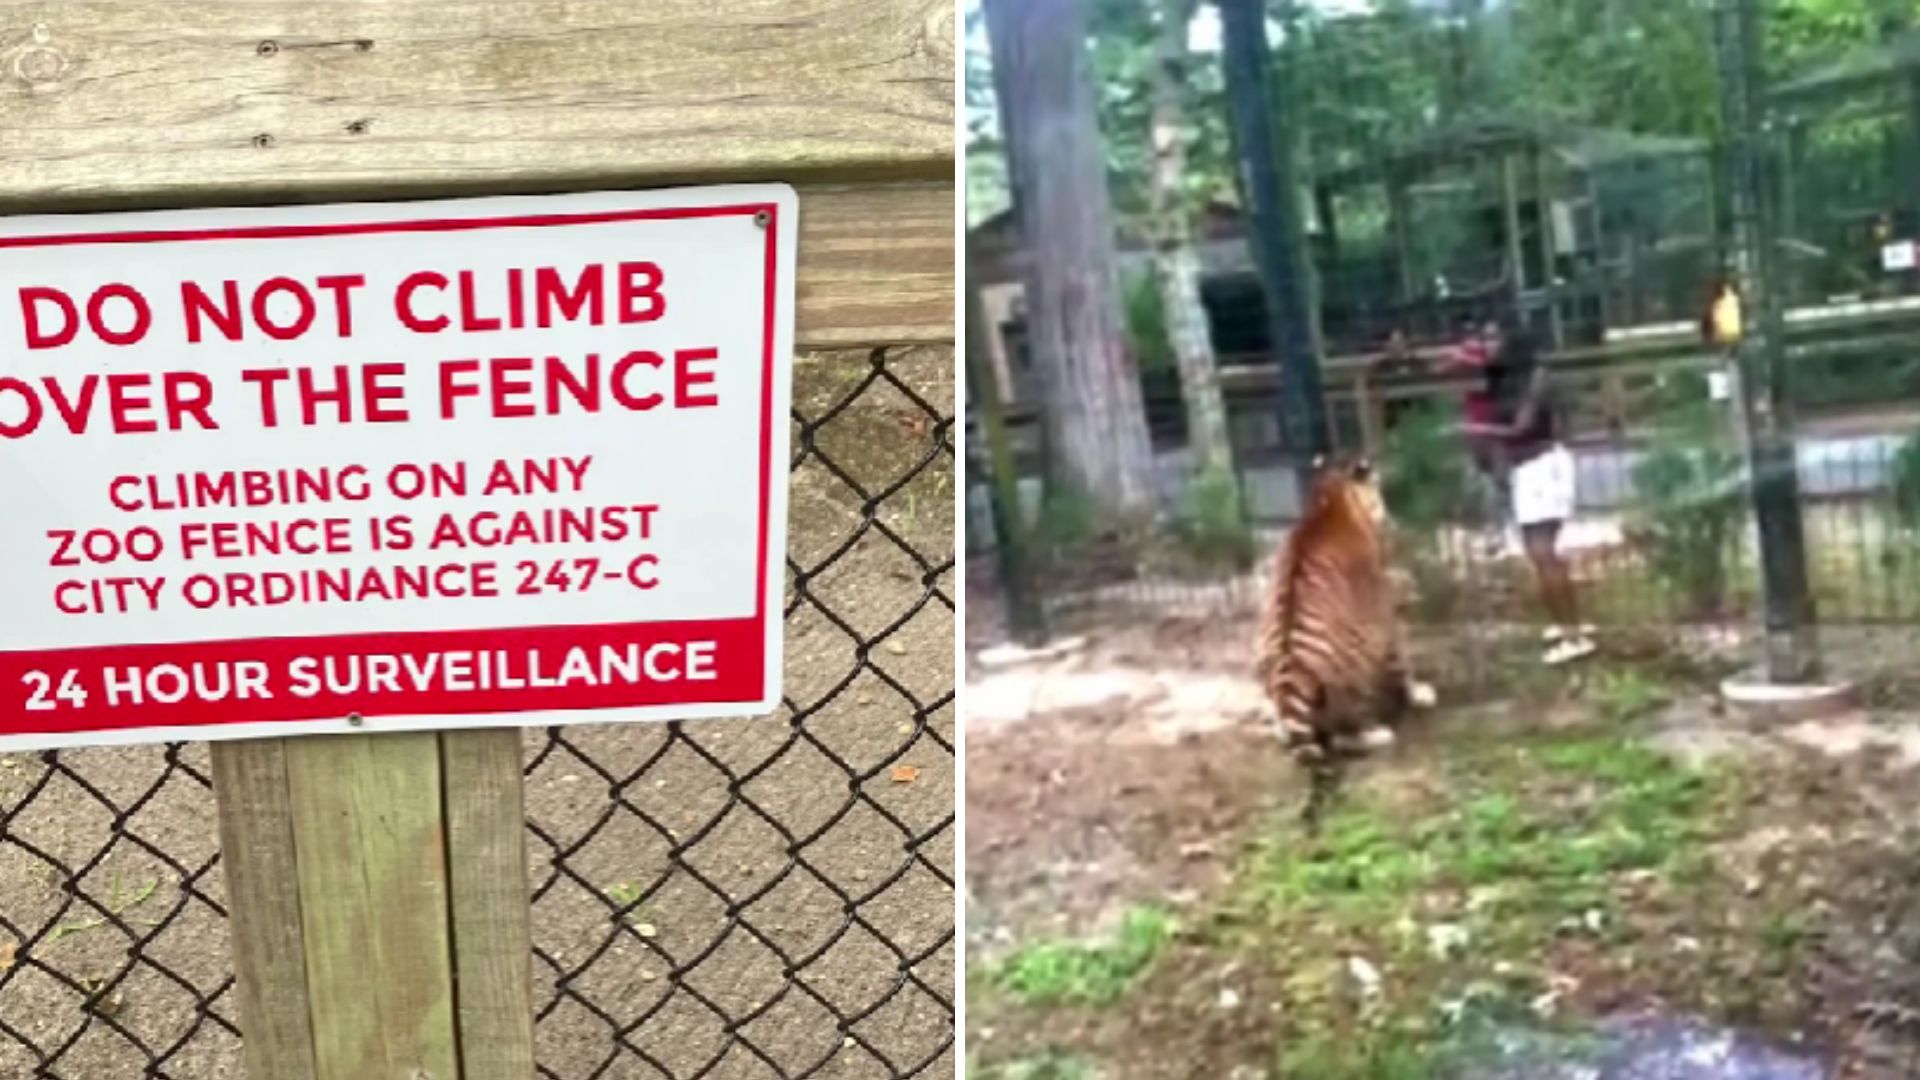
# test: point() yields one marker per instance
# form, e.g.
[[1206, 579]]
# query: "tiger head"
[[1351, 483]]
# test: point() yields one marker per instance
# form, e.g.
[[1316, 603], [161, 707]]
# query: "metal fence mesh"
[[768, 898]]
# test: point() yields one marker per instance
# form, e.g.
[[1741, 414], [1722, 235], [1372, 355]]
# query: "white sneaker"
[[1367, 741], [1571, 649]]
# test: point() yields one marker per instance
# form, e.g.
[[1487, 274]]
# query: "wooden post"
[[1372, 413], [1795, 160], [1510, 202], [1597, 238], [379, 902], [377, 883], [1399, 215], [1543, 221]]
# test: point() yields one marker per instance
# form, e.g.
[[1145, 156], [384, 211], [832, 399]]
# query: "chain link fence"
[[1552, 164], [769, 898]]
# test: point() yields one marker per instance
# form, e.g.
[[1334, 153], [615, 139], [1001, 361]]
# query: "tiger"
[[1331, 654]]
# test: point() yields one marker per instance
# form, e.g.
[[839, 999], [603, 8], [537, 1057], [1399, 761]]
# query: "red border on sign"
[[740, 674]]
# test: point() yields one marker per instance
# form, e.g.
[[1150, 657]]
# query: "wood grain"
[[263, 899], [371, 841], [123, 104], [492, 931], [150, 96], [876, 265]]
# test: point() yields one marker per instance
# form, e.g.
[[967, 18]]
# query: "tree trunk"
[[1096, 425], [1176, 263]]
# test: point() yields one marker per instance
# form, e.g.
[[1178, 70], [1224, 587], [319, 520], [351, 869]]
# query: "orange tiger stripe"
[[1329, 651]]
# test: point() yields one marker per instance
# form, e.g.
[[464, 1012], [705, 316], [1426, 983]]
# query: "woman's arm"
[[1530, 404]]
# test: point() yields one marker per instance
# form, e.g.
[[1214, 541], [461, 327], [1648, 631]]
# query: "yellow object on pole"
[[1725, 317]]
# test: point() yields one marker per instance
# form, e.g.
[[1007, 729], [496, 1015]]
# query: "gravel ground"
[[108, 857]]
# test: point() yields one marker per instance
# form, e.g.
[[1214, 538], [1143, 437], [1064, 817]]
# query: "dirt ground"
[[1128, 773], [849, 793]]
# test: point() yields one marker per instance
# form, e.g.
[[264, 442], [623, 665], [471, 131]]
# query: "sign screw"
[[762, 218], [268, 48], [356, 720]]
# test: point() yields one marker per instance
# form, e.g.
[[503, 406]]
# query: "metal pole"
[[1273, 199], [1024, 619], [1766, 401]]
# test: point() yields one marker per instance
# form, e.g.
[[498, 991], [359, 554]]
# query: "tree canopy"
[[1361, 83]]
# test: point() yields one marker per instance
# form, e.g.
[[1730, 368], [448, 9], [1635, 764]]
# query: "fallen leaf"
[[905, 774], [646, 930], [916, 422], [9, 952], [896, 648]]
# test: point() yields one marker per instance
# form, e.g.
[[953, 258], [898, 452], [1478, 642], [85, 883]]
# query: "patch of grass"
[[1626, 695], [1049, 1065], [1782, 938], [1442, 1046], [1214, 530], [1390, 1055], [1099, 973], [1462, 894], [1609, 805], [1068, 520]]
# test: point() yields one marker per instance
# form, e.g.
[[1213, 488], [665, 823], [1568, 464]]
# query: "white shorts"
[[1543, 488]]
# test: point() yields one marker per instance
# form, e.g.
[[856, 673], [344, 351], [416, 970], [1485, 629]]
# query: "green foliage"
[[1636, 65], [1147, 324], [1626, 695], [1622, 807], [1869, 379], [1069, 519], [1361, 83], [1906, 484], [1426, 474], [1392, 1054], [1214, 530], [1807, 32], [1088, 974], [1691, 506], [1124, 34], [1427, 479], [1515, 844]]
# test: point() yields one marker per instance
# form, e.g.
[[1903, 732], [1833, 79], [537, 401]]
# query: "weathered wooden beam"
[[140, 104], [369, 836], [492, 922], [263, 897], [146, 97], [876, 265], [380, 905]]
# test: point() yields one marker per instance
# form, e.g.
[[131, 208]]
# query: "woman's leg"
[[1543, 501], [1569, 640], [1550, 570]]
